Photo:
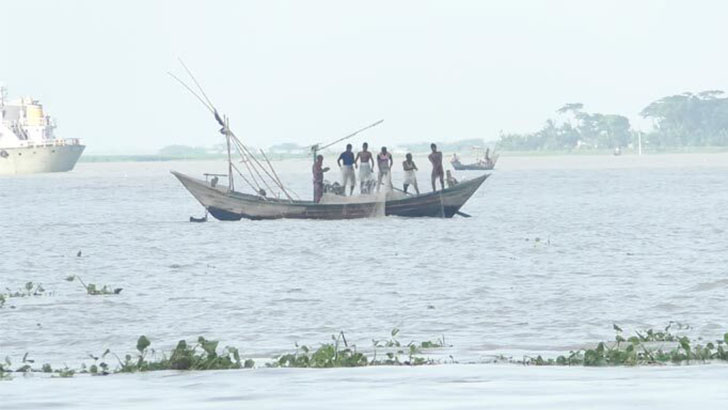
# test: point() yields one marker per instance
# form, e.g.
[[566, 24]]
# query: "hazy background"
[[312, 71]]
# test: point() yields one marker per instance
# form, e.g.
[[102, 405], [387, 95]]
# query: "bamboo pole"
[[251, 155], [252, 175], [231, 185], [240, 144], [244, 179]]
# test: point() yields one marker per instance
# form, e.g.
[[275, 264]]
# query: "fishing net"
[[380, 205]]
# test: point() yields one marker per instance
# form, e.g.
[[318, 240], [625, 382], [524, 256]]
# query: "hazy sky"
[[312, 71]]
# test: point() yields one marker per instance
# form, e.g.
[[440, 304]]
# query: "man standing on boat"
[[410, 177], [318, 178], [384, 161], [347, 170], [366, 168], [435, 158]]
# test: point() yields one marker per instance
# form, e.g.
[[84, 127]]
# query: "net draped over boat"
[[375, 201]]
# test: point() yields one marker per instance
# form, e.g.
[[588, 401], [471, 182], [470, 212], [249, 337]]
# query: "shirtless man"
[[410, 177], [365, 161], [384, 161], [347, 170], [435, 158], [318, 178]]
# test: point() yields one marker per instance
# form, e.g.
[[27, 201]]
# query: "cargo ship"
[[27, 140]]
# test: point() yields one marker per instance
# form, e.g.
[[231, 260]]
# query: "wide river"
[[558, 249]]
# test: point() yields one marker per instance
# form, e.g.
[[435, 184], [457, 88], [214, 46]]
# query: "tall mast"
[[231, 185]]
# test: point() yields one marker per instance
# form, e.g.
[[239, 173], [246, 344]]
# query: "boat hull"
[[37, 159], [472, 167], [230, 206]]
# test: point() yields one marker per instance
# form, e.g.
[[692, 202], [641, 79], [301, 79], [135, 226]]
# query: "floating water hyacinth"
[[28, 290], [91, 288], [650, 347], [646, 348], [340, 354]]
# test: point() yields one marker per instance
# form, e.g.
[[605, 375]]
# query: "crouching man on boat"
[[451, 181], [366, 169], [410, 176], [347, 170], [318, 178]]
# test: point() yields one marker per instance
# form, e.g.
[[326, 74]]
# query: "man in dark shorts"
[[435, 158], [347, 169], [318, 178]]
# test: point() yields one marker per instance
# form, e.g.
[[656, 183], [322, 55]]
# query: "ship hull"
[[37, 159]]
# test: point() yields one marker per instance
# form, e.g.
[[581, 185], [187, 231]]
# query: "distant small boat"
[[481, 165], [484, 163], [227, 205]]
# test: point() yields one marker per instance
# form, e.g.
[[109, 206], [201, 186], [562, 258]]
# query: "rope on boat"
[[280, 184], [240, 144], [252, 175], [244, 179]]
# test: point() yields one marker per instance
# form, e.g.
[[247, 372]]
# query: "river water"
[[558, 249]]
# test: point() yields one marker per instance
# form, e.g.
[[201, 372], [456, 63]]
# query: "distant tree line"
[[182, 151], [689, 119], [680, 120]]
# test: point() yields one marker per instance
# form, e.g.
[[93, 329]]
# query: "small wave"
[[669, 307], [701, 287], [296, 300]]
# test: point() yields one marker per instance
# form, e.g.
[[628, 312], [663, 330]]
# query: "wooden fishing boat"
[[273, 200], [227, 205]]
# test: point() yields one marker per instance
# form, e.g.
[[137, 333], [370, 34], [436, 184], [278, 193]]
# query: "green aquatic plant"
[[63, 373], [644, 348], [648, 347], [394, 342], [28, 290], [327, 355], [200, 356], [4, 374], [338, 353], [26, 366], [92, 289]]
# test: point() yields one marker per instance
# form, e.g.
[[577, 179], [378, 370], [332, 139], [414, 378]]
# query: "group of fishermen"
[[365, 161]]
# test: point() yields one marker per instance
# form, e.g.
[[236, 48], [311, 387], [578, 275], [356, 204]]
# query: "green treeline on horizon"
[[683, 120]]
